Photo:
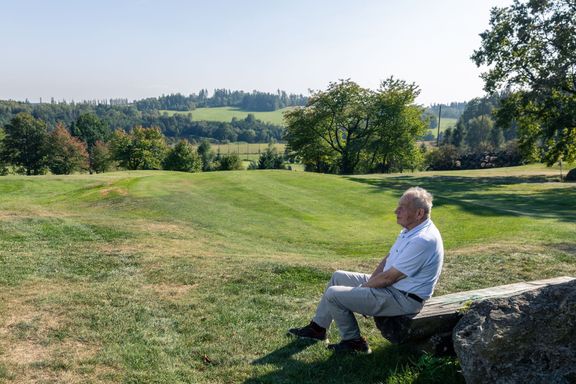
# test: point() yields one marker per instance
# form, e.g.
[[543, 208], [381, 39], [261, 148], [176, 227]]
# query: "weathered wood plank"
[[440, 314], [453, 302]]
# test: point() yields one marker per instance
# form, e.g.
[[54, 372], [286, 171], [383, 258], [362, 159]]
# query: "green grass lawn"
[[165, 277], [227, 113]]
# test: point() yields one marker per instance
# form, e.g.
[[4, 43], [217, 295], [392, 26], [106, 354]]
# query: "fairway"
[[226, 114], [167, 277]]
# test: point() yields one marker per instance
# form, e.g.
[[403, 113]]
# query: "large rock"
[[528, 338]]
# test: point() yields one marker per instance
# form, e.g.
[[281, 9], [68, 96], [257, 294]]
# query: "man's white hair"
[[421, 198]]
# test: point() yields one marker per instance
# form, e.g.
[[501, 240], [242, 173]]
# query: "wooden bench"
[[440, 314]]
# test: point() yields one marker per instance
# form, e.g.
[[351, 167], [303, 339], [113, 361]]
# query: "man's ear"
[[421, 213]]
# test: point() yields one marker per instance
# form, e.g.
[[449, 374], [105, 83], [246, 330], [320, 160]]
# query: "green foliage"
[[530, 50], [228, 162], [101, 157], [206, 155], [144, 148], [478, 133], [458, 134], [268, 125], [183, 157], [305, 144], [25, 144], [443, 158], [270, 159], [3, 165], [348, 128], [89, 128], [66, 154]]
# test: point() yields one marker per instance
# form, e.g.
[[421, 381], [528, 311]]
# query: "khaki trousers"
[[344, 296]]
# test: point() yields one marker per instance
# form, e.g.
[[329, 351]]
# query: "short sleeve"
[[412, 257]]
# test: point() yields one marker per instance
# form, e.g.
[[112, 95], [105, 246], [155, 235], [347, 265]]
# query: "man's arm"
[[384, 279], [380, 267]]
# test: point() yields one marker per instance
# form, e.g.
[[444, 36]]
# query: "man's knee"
[[337, 277], [335, 293], [330, 293]]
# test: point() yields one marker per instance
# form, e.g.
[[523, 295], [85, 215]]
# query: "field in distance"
[[227, 113], [168, 277], [276, 117], [445, 123], [246, 151]]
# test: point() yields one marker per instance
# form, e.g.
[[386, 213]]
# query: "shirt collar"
[[405, 232]]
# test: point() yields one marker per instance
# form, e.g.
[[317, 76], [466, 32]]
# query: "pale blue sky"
[[133, 49]]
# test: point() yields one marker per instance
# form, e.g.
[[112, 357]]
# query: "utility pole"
[[439, 119]]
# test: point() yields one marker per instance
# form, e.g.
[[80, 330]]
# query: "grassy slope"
[[227, 113], [169, 277], [445, 123]]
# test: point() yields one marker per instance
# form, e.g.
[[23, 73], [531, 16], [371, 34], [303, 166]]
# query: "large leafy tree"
[[101, 157], [397, 124], [348, 127], [184, 158], [530, 53], [66, 154], [26, 144], [90, 129], [144, 148], [306, 144]]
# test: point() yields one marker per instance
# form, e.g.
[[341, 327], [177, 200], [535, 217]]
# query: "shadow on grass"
[[398, 363], [487, 196]]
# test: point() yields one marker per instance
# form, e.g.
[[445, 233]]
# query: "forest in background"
[[151, 112]]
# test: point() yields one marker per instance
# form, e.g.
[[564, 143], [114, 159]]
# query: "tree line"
[[177, 126], [530, 115], [478, 140], [28, 147], [254, 101]]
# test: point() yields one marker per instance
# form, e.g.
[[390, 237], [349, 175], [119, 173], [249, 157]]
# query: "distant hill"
[[226, 114]]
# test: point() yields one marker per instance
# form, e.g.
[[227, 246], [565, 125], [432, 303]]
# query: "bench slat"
[[453, 302]]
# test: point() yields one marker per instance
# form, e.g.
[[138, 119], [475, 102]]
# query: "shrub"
[[183, 158], [443, 158], [270, 159], [230, 162]]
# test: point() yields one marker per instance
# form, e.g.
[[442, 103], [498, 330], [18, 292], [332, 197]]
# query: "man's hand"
[[384, 279]]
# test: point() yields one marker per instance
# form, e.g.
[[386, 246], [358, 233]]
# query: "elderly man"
[[399, 285]]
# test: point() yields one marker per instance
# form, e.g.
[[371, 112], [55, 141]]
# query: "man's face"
[[406, 214]]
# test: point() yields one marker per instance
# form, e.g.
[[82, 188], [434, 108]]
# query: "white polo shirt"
[[418, 254]]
